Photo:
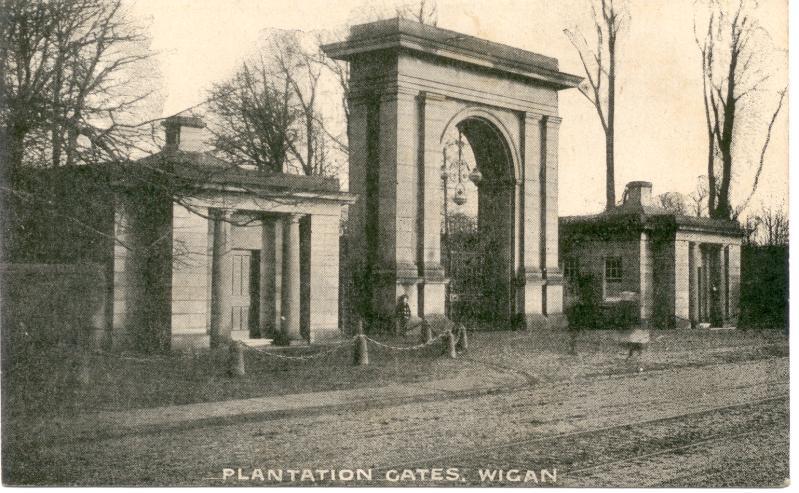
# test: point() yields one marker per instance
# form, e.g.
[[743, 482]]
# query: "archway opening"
[[478, 223]]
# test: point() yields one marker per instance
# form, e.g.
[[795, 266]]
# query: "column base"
[[239, 335], [186, 342], [433, 298], [539, 322]]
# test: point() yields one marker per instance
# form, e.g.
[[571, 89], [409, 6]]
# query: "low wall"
[[54, 303]]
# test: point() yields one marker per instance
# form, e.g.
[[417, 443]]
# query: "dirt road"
[[719, 425]]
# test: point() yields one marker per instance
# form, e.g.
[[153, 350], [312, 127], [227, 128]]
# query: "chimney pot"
[[184, 133], [638, 193]]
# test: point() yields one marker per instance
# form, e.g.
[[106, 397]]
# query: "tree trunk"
[[610, 178], [711, 176]]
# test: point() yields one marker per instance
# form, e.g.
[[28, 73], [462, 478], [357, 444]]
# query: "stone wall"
[[191, 293], [54, 303], [324, 277], [590, 257]]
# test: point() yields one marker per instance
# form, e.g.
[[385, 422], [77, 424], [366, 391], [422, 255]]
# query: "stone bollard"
[[426, 333], [451, 344], [360, 355], [236, 359], [463, 340]]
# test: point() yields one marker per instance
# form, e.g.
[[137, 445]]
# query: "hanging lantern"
[[460, 196], [476, 176]]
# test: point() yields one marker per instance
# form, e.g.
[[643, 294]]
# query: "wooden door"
[[240, 290]]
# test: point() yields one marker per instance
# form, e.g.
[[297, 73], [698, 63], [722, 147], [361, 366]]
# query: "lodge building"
[[186, 250], [673, 270]]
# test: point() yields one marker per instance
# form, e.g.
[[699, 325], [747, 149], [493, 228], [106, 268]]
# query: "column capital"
[[552, 120], [294, 218], [221, 214], [427, 96], [397, 94], [532, 117]]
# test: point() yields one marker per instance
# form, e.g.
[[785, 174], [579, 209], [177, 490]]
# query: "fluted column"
[[220, 278], [291, 277]]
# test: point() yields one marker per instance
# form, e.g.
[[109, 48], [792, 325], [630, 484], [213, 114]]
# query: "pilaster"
[[433, 288]]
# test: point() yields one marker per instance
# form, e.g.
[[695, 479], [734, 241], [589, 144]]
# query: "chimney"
[[184, 133], [638, 193]]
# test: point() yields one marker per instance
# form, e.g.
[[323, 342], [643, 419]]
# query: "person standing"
[[402, 315]]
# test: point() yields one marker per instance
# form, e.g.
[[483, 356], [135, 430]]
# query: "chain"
[[407, 348], [302, 358]]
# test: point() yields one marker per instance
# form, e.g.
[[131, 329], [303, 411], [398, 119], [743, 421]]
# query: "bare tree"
[[423, 12], [734, 50], [772, 226], [673, 202], [301, 69], [253, 117], [599, 64], [698, 196], [75, 79]]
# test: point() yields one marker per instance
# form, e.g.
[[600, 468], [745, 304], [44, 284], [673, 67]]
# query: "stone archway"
[[478, 253], [408, 83]]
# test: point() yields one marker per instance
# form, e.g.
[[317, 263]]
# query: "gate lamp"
[[460, 168]]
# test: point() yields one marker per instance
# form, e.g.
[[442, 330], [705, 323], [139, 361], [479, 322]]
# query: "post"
[[463, 341], [451, 344], [360, 355], [426, 333], [236, 359]]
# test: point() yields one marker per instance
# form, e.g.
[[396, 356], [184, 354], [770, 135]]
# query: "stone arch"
[[409, 83], [481, 113], [480, 270]]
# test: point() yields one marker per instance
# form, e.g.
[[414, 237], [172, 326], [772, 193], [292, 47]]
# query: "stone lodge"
[[674, 270], [195, 251]]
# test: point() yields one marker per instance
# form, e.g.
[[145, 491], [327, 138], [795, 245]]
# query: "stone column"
[[646, 278], [734, 276], [553, 300], [291, 277], [271, 269], [532, 275], [220, 278], [695, 262], [723, 257]]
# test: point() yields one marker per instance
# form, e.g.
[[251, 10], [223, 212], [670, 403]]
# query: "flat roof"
[[399, 33], [650, 218]]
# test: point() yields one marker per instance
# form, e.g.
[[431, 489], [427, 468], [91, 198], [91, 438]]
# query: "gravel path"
[[564, 426]]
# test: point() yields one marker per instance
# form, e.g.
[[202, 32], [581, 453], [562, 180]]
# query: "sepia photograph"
[[394, 243]]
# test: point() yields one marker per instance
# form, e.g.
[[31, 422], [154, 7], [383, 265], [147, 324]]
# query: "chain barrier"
[[301, 358], [407, 348]]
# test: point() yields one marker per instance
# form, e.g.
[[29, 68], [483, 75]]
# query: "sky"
[[660, 116]]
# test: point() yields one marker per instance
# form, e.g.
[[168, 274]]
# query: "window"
[[613, 271], [571, 268]]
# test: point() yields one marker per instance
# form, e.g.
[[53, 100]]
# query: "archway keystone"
[[409, 83]]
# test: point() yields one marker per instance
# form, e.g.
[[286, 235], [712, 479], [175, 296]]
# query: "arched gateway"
[[410, 86]]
